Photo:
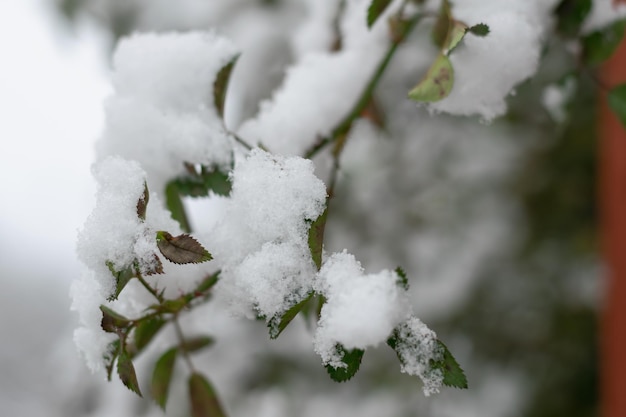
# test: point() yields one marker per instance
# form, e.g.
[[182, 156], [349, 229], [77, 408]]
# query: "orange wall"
[[613, 217]]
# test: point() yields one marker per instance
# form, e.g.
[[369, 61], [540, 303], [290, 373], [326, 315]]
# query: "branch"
[[346, 123]]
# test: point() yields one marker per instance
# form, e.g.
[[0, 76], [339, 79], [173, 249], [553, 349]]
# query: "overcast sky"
[[52, 83]]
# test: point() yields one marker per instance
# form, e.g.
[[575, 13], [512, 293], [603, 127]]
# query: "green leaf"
[[174, 204], [377, 7], [599, 46], [207, 283], [197, 343], [442, 24], [279, 323], [142, 203], [453, 375], [121, 279], [403, 281], [182, 249], [162, 376], [112, 322], [316, 237], [173, 306], [437, 83], [571, 14], [109, 358], [617, 102], [204, 402], [220, 86], [126, 372], [456, 33], [352, 359], [199, 184], [480, 29], [146, 330]]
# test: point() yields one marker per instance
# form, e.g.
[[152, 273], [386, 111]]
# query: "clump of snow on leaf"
[[162, 113], [361, 310], [113, 228], [487, 69], [416, 346], [261, 243]]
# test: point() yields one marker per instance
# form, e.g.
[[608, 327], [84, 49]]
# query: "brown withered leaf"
[[182, 249], [142, 203]]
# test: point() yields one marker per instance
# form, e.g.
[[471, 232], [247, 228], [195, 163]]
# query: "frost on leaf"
[[350, 363], [418, 350]]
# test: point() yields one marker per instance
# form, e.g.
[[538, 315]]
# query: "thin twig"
[[151, 290], [181, 340]]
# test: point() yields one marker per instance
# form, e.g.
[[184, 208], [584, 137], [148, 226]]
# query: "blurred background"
[[496, 226]]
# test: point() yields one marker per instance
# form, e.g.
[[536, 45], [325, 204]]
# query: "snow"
[[555, 98], [162, 112], [360, 311], [261, 242], [111, 230]]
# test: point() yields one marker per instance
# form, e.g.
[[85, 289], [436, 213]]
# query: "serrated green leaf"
[[111, 321], [197, 343], [480, 29], [220, 86], [316, 238], [162, 376], [113, 350], [279, 323], [599, 46], [437, 83], [453, 375], [352, 359], [617, 102], [376, 9], [174, 204], [182, 249], [403, 281], [204, 402], [121, 279], [142, 203], [571, 14], [126, 372], [146, 330]]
